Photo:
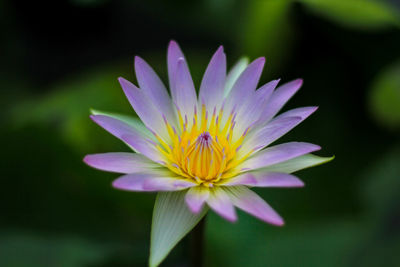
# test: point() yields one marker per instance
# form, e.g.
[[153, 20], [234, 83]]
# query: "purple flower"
[[206, 150]]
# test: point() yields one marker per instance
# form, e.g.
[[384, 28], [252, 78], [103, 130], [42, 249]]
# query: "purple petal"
[[245, 84], [196, 197], [303, 112], [269, 133], [150, 182], [174, 53], [279, 153], [184, 94], [129, 135], [243, 179], [252, 109], [154, 88], [250, 202], [220, 202], [145, 109], [212, 85], [120, 162], [274, 179], [279, 99], [167, 184], [265, 179]]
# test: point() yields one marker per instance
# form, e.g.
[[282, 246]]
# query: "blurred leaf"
[[250, 242], [266, 31], [24, 249], [67, 106], [358, 14], [384, 97], [382, 182]]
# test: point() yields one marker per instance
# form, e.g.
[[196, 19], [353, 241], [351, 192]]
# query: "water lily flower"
[[204, 151]]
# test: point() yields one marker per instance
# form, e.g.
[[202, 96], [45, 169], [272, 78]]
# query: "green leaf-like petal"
[[136, 123], [172, 220], [234, 73], [299, 163], [358, 14]]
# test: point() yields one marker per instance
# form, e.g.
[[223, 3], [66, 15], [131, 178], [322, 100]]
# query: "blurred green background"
[[61, 58]]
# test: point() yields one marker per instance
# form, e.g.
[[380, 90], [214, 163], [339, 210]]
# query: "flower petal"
[[211, 88], [151, 181], [154, 88], [244, 85], [303, 112], [174, 53], [172, 220], [220, 202], [145, 109], [279, 99], [265, 179], [234, 74], [134, 122], [278, 153], [252, 109], [184, 94], [129, 135], [120, 162], [250, 202], [196, 197], [299, 163], [268, 134]]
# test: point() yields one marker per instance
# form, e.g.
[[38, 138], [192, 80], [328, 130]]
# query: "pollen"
[[202, 149]]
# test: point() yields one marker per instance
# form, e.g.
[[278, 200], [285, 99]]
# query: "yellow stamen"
[[203, 152]]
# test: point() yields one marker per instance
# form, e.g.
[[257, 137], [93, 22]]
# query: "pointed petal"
[[278, 153], [151, 181], [154, 88], [196, 197], [145, 109], [172, 220], [265, 179], [174, 53], [303, 112], [167, 184], [133, 122], [219, 202], [299, 163], [129, 135], [211, 89], [268, 134], [245, 84], [279, 99], [243, 179], [234, 74], [120, 162], [184, 94], [250, 202], [252, 109]]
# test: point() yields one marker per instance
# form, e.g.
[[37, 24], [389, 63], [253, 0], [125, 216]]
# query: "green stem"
[[197, 244]]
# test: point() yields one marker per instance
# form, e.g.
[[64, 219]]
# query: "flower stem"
[[197, 244]]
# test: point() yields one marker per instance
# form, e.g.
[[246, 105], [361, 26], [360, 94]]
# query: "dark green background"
[[60, 60]]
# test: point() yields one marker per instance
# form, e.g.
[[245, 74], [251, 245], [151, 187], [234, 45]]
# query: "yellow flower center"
[[204, 150]]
